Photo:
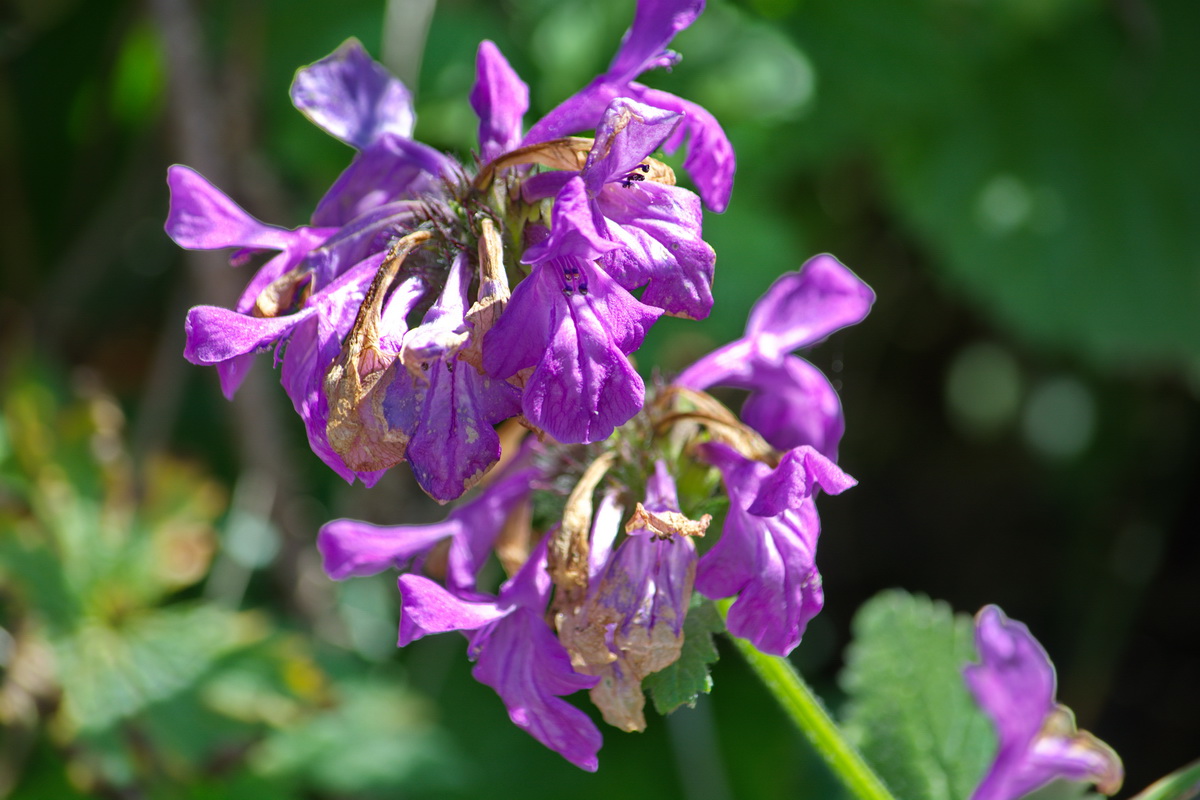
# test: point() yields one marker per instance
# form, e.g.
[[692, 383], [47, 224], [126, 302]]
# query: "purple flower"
[[710, 159], [631, 623], [767, 551], [656, 225], [202, 217], [791, 403], [443, 406], [515, 651], [1014, 683], [351, 548], [574, 325]]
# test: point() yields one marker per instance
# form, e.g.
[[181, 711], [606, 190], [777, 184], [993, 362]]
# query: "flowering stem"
[[805, 708]]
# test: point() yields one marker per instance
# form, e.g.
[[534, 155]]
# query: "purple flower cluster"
[[430, 301], [1014, 683], [589, 609], [405, 227]]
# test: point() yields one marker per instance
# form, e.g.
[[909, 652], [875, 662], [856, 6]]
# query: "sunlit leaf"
[[909, 710]]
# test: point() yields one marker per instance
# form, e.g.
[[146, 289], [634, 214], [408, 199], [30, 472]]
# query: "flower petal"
[[793, 404], [350, 96], [391, 168], [350, 548], [655, 24], [202, 217], [527, 666], [802, 308], [628, 133], [500, 99], [217, 334], [662, 249], [426, 607]]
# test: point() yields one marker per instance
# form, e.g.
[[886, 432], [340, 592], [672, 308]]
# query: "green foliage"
[[378, 736], [106, 659], [909, 711], [1039, 155], [1182, 784], [682, 682]]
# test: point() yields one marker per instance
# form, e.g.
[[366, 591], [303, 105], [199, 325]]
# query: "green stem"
[[805, 708]]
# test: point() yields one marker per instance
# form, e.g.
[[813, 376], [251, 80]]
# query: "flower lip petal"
[[352, 97], [655, 24], [500, 99], [1014, 684], [794, 480], [202, 217], [572, 229], [628, 132], [802, 308]]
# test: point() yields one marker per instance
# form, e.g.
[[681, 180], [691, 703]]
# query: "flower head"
[[1014, 683], [767, 552]]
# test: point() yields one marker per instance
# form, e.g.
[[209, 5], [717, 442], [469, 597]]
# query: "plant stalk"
[[806, 710]]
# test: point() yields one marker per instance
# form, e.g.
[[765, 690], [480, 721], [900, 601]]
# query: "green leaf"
[[380, 735], [909, 711], [1064, 790], [687, 678], [112, 672], [1182, 784]]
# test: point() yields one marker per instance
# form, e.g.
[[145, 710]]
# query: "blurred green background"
[[1017, 179]]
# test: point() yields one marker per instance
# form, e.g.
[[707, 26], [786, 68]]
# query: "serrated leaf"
[[682, 682], [909, 710]]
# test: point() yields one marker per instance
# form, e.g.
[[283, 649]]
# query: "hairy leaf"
[[687, 678], [909, 709]]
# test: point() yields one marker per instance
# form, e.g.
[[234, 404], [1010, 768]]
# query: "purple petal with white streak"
[[352, 97]]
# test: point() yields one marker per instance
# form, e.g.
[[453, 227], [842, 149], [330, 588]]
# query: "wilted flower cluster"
[[391, 314], [477, 321]]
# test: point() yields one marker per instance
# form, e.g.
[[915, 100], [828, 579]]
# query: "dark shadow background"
[[1017, 180]]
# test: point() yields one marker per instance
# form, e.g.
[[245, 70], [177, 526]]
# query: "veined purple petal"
[[769, 562], [655, 24], [658, 228], [500, 99], [583, 385], [793, 481], [453, 444], [426, 607], [572, 229], [1014, 684], [628, 133], [217, 334], [391, 168], [350, 96], [802, 308], [793, 404], [527, 666], [202, 217]]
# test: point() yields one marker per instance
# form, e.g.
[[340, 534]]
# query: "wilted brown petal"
[[665, 524], [493, 293], [356, 383]]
